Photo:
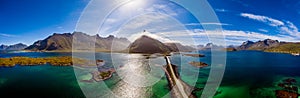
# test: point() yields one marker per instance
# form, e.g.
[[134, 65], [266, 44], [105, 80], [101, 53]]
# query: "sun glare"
[[134, 4]]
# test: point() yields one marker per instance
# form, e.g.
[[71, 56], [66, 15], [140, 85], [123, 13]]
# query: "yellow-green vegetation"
[[102, 75], [27, 61], [105, 74], [286, 48]]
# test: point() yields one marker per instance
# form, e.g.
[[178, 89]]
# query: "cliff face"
[[18, 46], [64, 42]]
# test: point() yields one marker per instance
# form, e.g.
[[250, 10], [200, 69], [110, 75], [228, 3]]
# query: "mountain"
[[148, 45], [259, 45], [65, 41], [3, 47], [177, 47], [245, 45], [112, 43], [269, 45], [53, 42], [209, 46], [18, 46], [199, 47]]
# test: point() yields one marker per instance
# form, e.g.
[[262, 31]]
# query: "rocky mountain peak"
[[148, 45]]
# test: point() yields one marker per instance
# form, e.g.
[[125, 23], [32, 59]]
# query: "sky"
[[27, 21]]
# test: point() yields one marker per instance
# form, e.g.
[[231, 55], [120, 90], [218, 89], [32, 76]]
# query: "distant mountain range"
[[269, 45], [209, 46], [144, 44], [259, 45], [64, 42], [18, 46]]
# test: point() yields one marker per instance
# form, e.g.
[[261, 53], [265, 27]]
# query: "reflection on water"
[[138, 76]]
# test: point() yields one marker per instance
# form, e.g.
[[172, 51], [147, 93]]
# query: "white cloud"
[[286, 28], [152, 22], [6, 35], [163, 9], [231, 36], [291, 29], [207, 23], [265, 19], [116, 21], [221, 10], [263, 30]]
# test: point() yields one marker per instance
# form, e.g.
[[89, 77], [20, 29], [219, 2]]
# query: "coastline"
[[284, 52]]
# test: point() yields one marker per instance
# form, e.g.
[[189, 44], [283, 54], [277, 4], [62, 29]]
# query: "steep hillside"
[[148, 45]]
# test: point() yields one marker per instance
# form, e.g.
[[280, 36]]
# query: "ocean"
[[248, 74]]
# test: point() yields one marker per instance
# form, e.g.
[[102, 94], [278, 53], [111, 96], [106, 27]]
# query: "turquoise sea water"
[[248, 74]]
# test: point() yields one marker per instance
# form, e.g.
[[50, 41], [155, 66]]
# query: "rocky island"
[[101, 75], [198, 64]]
